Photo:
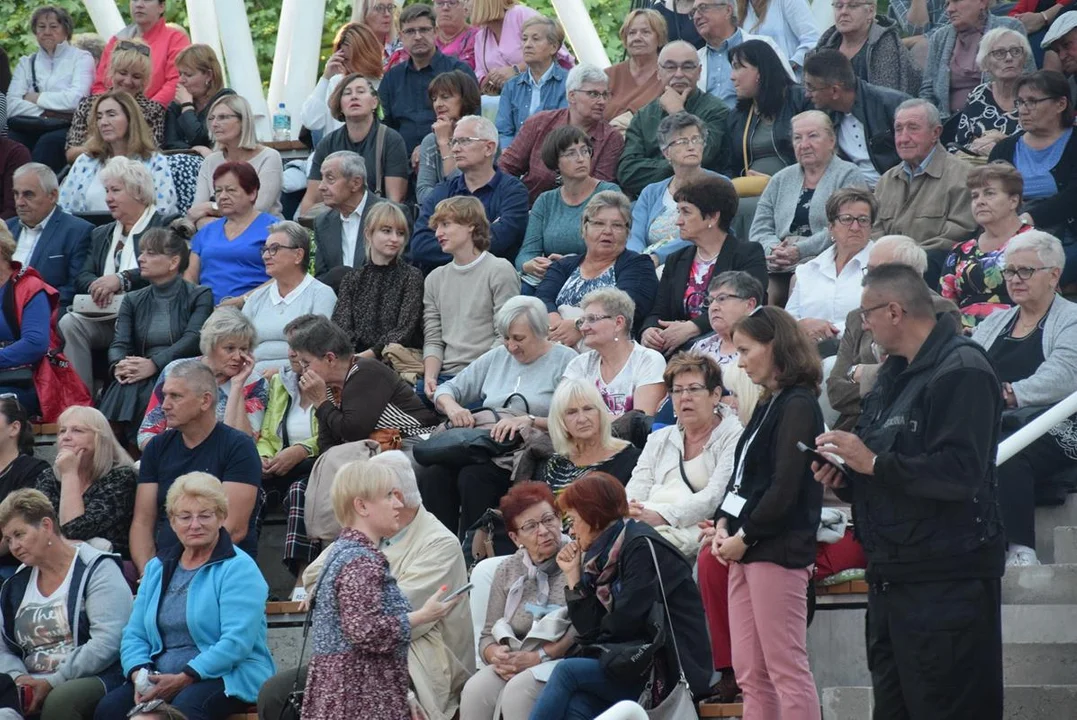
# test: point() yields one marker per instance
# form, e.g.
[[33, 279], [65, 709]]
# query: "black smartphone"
[[824, 458]]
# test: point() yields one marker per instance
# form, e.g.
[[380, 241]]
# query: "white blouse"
[[821, 293]]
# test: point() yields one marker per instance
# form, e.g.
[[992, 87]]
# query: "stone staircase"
[[1039, 635]]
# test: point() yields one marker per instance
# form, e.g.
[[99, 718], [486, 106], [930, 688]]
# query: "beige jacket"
[[441, 656]]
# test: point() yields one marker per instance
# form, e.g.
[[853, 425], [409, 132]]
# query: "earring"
[[710, 226], [50, 543]]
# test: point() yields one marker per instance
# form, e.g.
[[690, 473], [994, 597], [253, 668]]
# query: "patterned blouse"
[[109, 505], [577, 286], [83, 192], [981, 114], [361, 634], [973, 280], [153, 112]]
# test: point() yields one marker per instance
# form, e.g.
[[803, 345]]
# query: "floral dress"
[[973, 279]]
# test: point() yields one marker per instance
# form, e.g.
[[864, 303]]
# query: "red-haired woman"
[[613, 581], [525, 620], [226, 255]]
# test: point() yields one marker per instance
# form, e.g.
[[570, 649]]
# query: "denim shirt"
[[518, 104], [720, 72]]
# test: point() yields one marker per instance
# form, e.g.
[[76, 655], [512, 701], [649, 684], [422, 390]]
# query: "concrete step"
[[1040, 585], [1049, 518], [1065, 544], [1022, 702]]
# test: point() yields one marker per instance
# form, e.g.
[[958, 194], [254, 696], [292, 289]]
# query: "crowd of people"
[[642, 337]]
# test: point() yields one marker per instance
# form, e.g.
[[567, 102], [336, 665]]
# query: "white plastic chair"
[[482, 577]]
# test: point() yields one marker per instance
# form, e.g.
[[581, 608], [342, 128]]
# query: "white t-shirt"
[[42, 627], [644, 367], [298, 422]]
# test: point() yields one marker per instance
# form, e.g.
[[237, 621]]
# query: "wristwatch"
[[851, 372]]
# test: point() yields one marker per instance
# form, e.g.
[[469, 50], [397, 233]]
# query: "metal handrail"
[[1034, 430], [624, 710]]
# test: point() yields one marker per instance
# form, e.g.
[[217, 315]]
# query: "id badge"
[[733, 504]]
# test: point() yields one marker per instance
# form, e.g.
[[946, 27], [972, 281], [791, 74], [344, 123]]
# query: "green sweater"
[[642, 162]]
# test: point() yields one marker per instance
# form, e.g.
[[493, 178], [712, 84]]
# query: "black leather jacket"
[[187, 313], [875, 107]]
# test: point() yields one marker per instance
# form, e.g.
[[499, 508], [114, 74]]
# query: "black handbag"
[[631, 662], [459, 447]]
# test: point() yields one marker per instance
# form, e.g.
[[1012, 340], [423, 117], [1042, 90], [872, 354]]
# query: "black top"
[[24, 472], [1017, 358], [680, 25], [559, 471], [184, 130], [801, 225]]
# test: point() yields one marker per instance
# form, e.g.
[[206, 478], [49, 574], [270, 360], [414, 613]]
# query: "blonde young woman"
[[231, 128]]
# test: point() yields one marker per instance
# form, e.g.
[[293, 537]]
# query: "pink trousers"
[[768, 622]]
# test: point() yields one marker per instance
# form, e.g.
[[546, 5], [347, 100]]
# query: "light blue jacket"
[[648, 206], [515, 105], [226, 616]]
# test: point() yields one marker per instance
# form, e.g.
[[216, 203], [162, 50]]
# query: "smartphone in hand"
[[823, 457]]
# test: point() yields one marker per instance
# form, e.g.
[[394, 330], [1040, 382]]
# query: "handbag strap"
[[684, 476], [33, 73], [527, 405], [379, 147], [744, 139], [665, 607]]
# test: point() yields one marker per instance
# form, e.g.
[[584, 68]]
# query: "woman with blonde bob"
[[581, 430], [355, 50], [201, 85], [231, 128], [92, 482], [63, 612], [198, 625], [381, 301], [117, 129], [362, 621]]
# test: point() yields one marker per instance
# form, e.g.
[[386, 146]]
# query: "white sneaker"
[[299, 594], [1021, 557]]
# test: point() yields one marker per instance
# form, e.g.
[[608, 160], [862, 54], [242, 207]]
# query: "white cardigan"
[[662, 454]]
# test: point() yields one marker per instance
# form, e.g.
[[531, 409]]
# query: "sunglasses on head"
[[137, 47]]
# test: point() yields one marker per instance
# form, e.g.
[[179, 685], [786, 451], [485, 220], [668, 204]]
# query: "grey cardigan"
[[935, 85], [778, 204], [1056, 378]]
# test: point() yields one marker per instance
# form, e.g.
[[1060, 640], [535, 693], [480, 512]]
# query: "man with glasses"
[[642, 162], [920, 473], [925, 197], [403, 89], [716, 23], [165, 43], [862, 113], [504, 197], [588, 91]]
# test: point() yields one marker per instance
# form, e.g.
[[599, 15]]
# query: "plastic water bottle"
[[282, 124]]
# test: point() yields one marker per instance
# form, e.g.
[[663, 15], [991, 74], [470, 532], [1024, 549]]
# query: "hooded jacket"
[[889, 63]]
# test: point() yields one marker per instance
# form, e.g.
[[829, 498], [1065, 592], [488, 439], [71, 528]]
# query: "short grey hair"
[[585, 73], [932, 112], [673, 124], [903, 250], [1047, 247], [743, 284], [404, 478], [134, 176], [483, 127], [226, 322], [196, 374], [615, 302], [818, 116], [530, 308], [675, 44], [605, 200], [297, 235], [352, 164], [45, 176], [993, 37]]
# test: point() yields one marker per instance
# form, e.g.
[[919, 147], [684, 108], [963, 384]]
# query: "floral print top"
[[973, 279], [360, 633], [83, 192]]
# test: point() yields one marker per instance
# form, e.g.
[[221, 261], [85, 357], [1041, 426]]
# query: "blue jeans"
[[578, 689], [204, 700]]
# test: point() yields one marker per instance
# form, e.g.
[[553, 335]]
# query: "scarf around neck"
[[540, 574], [600, 562]]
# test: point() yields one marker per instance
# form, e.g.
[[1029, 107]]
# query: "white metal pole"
[[293, 79], [202, 21], [239, 54], [105, 16], [581, 32], [278, 78], [1025, 436]]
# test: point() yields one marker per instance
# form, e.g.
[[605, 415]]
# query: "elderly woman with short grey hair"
[[1033, 347], [520, 375], [227, 340], [587, 91], [290, 292], [991, 114], [605, 263], [111, 266], [682, 137]]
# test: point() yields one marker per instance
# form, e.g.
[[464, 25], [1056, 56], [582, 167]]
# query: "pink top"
[[165, 44], [491, 54], [462, 46]]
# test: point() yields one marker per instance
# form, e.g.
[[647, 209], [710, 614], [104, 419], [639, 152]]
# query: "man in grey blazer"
[[47, 238], [338, 232]]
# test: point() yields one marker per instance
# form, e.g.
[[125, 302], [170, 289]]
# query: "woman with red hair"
[[226, 254], [526, 621], [613, 583]]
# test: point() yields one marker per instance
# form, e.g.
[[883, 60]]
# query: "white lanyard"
[[738, 476]]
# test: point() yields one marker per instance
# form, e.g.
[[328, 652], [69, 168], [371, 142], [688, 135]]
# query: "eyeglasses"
[[272, 250], [839, 6], [597, 94], [694, 141], [704, 7], [1031, 103], [577, 153], [689, 66], [602, 226], [417, 31], [694, 389], [139, 48], [222, 116], [203, 518], [387, 9], [719, 299], [550, 521], [848, 220], [863, 312], [1009, 273], [591, 320], [456, 141], [1001, 53], [446, 3]]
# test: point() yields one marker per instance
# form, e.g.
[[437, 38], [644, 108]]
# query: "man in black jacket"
[[862, 113], [920, 473]]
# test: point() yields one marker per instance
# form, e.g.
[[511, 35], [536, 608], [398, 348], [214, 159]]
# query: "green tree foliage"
[[264, 17]]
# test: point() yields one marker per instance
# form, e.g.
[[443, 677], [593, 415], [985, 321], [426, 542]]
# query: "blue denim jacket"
[[515, 105]]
